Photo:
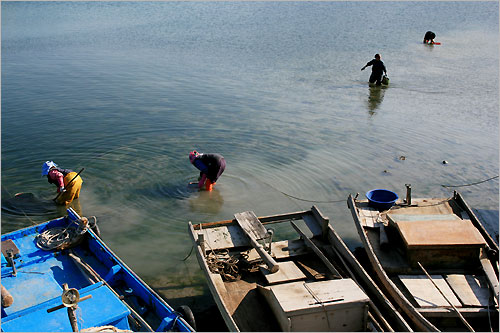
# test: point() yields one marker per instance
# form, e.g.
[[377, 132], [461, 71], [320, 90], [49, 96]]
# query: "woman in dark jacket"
[[211, 167]]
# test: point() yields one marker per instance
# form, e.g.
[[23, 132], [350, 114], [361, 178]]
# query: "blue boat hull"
[[110, 293]]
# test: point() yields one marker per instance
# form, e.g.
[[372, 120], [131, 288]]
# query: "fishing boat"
[[264, 280], [433, 259], [59, 276]]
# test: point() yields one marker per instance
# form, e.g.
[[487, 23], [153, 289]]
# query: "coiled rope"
[[224, 264], [59, 238]]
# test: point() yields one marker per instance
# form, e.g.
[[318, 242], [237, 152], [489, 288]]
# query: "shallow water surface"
[[127, 89]]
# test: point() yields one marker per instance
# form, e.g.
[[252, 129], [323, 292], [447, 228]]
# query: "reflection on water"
[[127, 89], [209, 202], [375, 98]]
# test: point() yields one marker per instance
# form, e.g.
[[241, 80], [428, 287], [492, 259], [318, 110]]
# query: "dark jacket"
[[209, 164], [378, 66]]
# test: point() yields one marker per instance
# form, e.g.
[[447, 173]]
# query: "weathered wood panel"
[[224, 237], [472, 290], [288, 272], [421, 217], [249, 222], [426, 294], [282, 249], [368, 216]]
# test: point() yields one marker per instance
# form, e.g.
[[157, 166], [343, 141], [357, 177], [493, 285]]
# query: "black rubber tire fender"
[[187, 314]]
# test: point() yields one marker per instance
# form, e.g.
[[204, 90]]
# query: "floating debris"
[[402, 157]]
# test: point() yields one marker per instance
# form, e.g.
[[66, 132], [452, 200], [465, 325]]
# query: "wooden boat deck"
[[447, 239], [245, 297]]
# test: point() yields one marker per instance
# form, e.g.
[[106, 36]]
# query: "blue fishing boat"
[[59, 276]]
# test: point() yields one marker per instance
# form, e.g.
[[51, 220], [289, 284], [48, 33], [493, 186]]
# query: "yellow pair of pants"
[[72, 190]]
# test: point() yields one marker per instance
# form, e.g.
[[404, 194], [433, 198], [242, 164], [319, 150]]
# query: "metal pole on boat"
[[79, 261], [446, 298], [408, 194], [70, 299]]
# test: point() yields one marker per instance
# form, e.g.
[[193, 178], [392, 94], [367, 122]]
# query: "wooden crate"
[[332, 305], [443, 243]]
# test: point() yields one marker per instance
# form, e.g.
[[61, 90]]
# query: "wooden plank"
[[421, 217], [384, 240], [288, 272], [252, 226], [322, 220], [270, 219], [229, 236], [426, 294], [249, 222], [477, 312], [312, 224], [368, 216], [490, 272], [472, 290], [282, 249], [317, 251], [431, 206]]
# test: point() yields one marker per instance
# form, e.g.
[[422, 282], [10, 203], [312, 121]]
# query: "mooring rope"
[[479, 182], [342, 200], [189, 254]]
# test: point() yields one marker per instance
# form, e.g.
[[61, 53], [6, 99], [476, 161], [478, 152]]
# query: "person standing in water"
[[62, 178], [211, 167], [378, 69], [429, 37]]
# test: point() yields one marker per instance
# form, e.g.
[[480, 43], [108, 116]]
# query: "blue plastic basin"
[[381, 199]]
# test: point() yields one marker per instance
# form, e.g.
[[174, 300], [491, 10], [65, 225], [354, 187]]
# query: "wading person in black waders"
[[429, 37], [211, 166], [378, 69]]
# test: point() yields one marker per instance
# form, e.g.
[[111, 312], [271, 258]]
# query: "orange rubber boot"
[[209, 185]]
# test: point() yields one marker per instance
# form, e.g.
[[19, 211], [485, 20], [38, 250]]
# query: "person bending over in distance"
[[429, 37], [211, 167], [378, 69], [62, 178]]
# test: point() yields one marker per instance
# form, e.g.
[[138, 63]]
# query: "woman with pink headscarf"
[[211, 167]]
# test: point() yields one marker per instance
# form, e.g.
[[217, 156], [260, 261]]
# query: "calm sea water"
[[127, 89]]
